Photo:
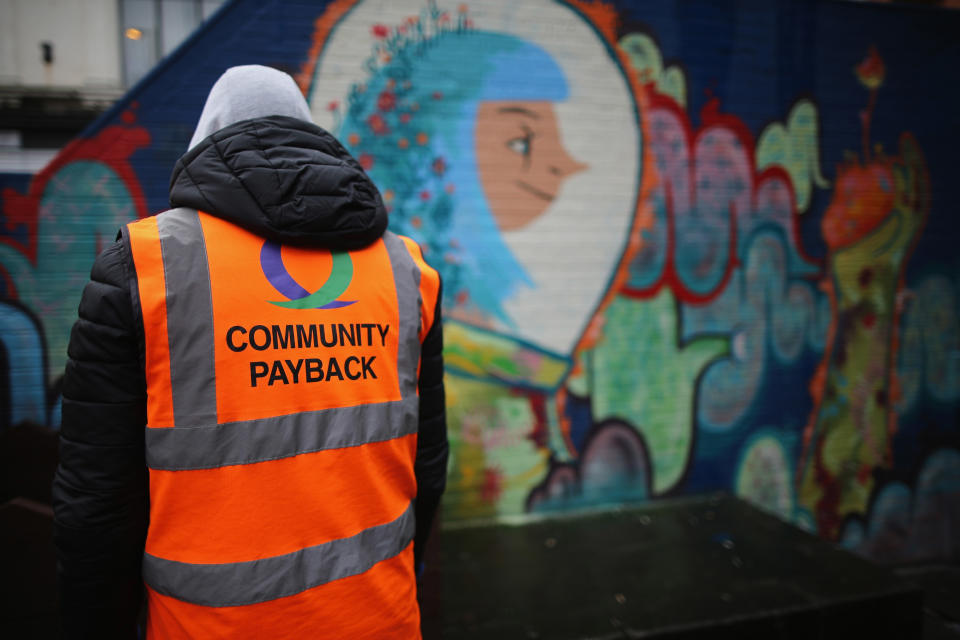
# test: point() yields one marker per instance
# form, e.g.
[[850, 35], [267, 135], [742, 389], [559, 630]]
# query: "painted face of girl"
[[521, 159]]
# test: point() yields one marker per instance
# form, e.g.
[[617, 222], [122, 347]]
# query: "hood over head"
[[258, 161]]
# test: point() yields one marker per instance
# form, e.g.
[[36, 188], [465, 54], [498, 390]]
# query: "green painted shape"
[[493, 463], [640, 374], [795, 148], [646, 59], [341, 274], [81, 208]]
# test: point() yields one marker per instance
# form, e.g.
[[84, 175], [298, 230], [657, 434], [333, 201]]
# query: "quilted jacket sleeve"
[[100, 495], [432, 448]]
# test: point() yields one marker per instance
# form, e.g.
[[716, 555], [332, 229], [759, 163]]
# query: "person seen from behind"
[[254, 430]]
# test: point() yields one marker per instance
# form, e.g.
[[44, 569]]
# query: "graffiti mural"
[[671, 264], [72, 210], [480, 164], [876, 211]]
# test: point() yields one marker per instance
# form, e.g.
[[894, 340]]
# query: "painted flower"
[[450, 188], [332, 105], [871, 71], [403, 143], [377, 124], [386, 101], [424, 195], [416, 222], [353, 139], [380, 31], [438, 95], [366, 161], [439, 166], [388, 195], [422, 138], [404, 118]]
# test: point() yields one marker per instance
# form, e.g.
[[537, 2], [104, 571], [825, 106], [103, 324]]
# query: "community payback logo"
[[358, 343], [341, 274]]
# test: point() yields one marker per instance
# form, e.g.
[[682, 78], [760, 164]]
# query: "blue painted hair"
[[412, 125]]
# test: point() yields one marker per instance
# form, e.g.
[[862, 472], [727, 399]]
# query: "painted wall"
[[686, 246]]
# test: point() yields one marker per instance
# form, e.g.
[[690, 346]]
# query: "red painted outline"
[[711, 118], [112, 146]]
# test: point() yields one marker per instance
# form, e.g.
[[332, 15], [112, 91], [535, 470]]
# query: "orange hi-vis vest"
[[282, 414]]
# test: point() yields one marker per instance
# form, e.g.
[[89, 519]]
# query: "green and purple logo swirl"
[[298, 297]]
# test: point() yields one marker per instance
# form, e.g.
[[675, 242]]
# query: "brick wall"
[[686, 246]]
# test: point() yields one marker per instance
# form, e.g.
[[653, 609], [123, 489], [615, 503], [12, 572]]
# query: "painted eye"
[[519, 145]]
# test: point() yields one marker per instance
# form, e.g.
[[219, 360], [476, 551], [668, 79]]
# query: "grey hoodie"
[[258, 161]]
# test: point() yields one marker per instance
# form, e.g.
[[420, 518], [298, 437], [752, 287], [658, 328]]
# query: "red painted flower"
[[332, 105], [871, 71], [378, 125], [386, 101], [424, 195], [404, 118], [437, 95], [439, 166], [492, 485], [366, 161], [380, 31], [416, 222]]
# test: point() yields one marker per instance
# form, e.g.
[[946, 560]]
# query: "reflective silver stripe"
[[406, 277], [250, 441], [189, 318], [240, 583]]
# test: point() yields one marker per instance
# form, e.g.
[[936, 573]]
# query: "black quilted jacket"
[[283, 179]]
